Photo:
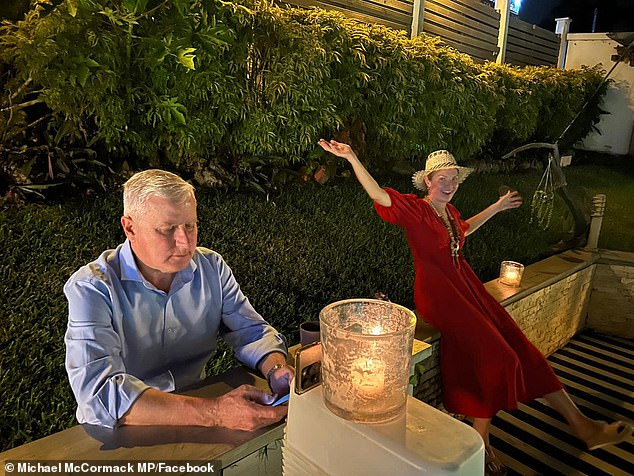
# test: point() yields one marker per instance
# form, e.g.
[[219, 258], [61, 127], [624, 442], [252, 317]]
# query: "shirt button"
[[170, 331]]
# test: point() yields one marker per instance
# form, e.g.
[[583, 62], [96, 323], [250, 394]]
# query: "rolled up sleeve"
[[245, 330], [97, 374]]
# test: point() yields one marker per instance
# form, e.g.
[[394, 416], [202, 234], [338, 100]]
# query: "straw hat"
[[439, 160]]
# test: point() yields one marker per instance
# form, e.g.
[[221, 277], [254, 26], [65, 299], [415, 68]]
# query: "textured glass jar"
[[511, 273], [366, 355]]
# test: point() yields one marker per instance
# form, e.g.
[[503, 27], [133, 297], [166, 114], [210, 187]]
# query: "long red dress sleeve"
[[487, 363]]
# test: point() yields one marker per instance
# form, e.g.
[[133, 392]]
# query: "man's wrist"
[[272, 371]]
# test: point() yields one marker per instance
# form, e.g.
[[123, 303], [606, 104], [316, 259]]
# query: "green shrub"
[[211, 86]]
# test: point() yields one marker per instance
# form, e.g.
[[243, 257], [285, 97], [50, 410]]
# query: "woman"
[[487, 363]]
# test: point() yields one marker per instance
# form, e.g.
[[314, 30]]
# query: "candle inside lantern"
[[512, 276], [368, 377], [511, 273]]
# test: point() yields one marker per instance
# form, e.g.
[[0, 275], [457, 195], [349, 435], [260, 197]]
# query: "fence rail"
[[530, 44], [396, 14], [469, 26]]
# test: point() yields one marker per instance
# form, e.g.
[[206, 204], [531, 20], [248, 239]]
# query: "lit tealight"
[[511, 273], [368, 377]]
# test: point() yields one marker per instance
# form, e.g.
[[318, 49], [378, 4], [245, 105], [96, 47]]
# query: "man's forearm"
[[244, 408], [154, 407]]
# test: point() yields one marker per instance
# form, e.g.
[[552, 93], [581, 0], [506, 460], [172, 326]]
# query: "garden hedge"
[[213, 88]]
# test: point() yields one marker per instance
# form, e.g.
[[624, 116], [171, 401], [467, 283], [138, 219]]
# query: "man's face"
[[164, 237]]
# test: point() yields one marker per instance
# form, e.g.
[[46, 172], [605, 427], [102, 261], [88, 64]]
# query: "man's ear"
[[128, 227]]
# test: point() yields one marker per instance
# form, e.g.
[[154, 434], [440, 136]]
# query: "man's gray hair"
[[154, 183]]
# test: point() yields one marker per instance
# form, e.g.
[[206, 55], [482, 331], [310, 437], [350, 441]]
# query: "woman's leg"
[[581, 425], [594, 433], [482, 426], [492, 465]]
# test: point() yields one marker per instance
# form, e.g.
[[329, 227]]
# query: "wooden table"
[[234, 451]]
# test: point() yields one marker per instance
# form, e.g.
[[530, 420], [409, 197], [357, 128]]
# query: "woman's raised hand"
[[368, 183], [510, 199], [337, 148]]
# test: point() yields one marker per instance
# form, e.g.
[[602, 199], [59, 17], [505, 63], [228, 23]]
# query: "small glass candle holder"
[[511, 273]]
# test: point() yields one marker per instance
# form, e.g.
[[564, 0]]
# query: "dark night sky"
[[612, 15]]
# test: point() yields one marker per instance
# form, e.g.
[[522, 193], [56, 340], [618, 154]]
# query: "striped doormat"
[[598, 373]]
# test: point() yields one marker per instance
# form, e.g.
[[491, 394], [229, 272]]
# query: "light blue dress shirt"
[[124, 335]]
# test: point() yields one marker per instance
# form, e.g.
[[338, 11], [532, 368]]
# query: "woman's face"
[[442, 185]]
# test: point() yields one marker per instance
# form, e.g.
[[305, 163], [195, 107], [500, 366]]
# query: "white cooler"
[[423, 441]]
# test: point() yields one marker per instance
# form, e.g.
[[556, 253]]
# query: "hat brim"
[[418, 179]]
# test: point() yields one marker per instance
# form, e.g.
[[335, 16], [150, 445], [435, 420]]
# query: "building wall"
[[617, 127]]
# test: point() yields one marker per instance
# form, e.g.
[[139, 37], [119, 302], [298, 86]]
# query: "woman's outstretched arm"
[[509, 200], [366, 180]]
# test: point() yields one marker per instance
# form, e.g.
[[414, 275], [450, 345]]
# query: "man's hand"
[[246, 408], [279, 378]]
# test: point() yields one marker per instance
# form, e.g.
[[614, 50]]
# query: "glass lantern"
[[511, 273], [366, 355]]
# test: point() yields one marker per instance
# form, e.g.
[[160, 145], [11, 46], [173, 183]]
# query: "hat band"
[[444, 166]]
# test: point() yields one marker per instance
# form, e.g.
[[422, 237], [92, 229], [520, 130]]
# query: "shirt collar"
[[130, 271]]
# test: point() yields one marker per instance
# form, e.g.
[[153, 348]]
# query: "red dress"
[[487, 363]]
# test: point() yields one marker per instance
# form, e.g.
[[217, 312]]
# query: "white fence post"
[[417, 18], [504, 8], [562, 28]]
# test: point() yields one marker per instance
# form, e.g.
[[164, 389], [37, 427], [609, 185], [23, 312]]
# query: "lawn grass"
[[587, 180], [292, 254]]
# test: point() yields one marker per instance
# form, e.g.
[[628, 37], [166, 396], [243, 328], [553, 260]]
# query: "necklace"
[[452, 230]]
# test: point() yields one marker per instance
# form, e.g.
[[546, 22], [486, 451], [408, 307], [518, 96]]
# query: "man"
[[144, 319]]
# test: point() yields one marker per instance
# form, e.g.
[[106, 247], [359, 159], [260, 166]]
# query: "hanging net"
[[544, 198]]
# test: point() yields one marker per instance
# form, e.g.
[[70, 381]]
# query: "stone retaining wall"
[[428, 389], [559, 297], [550, 316], [611, 309]]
